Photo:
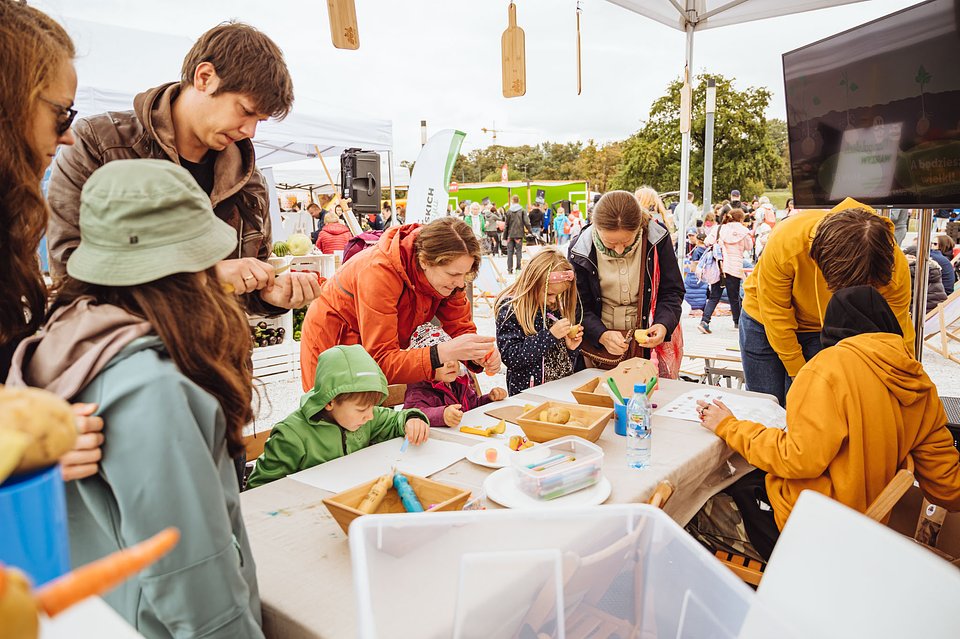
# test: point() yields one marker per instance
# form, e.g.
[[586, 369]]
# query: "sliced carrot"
[[105, 573]]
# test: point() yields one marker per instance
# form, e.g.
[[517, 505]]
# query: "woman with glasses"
[[37, 87], [379, 296]]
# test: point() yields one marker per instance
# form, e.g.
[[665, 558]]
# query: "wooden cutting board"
[[513, 57], [506, 413], [343, 24]]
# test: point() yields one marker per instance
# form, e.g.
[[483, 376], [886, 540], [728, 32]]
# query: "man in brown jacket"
[[233, 78]]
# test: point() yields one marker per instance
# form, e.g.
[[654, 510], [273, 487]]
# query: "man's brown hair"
[[854, 247], [247, 62]]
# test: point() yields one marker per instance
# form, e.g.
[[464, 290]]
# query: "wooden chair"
[[938, 326], [751, 570]]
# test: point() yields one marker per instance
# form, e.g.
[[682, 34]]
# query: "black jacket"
[[526, 352], [583, 256], [517, 223]]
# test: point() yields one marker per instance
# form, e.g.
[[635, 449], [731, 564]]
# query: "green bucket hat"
[[142, 220]]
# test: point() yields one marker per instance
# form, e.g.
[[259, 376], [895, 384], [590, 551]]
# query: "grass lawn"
[[778, 198]]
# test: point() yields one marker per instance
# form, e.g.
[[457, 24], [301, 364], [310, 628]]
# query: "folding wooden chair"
[[938, 326], [751, 570]]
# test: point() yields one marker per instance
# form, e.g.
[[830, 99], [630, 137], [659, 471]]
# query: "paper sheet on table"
[[755, 409], [369, 463]]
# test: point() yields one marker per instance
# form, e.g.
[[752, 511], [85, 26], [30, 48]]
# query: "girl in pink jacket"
[[733, 239]]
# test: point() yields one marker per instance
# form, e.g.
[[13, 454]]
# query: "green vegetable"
[[299, 244], [281, 249]]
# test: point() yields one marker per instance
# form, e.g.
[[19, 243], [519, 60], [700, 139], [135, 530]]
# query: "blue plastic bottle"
[[638, 428]]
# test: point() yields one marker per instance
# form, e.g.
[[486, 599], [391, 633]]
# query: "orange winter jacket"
[[854, 413], [787, 293], [377, 299]]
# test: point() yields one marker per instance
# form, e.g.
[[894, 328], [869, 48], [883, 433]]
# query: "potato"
[[558, 415], [45, 418], [641, 335], [573, 331], [544, 416]]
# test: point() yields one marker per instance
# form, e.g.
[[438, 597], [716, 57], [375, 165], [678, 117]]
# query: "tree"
[[742, 147], [598, 165], [777, 132]]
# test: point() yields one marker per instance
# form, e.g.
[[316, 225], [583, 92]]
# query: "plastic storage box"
[[628, 569], [558, 468]]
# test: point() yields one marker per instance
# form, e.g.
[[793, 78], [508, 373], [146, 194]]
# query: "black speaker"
[[360, 180]]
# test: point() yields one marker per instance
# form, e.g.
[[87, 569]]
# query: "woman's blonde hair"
[[527, 296], [650, 201], [445, 240]]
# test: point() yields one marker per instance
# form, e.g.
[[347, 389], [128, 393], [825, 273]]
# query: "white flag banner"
[[427, 198]]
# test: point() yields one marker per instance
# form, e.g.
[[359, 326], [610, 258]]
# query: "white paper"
[[755, 409], [428, 458]]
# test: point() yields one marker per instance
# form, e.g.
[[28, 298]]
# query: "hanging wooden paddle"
[[579, 67], [513, 57], [343, 24]]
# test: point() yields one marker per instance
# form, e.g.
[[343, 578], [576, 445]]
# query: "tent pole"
[[684, 153], [393, 190], [922, 269]]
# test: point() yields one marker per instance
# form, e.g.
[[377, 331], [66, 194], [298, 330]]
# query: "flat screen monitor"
[[873, 113]]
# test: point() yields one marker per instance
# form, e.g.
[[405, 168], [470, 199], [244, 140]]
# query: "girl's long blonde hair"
[[527, 296]]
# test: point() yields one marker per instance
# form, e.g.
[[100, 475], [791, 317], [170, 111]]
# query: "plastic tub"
[[558, 468], [33, 525], [518, 573]]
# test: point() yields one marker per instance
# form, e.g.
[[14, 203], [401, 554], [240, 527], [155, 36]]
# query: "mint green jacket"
[[305, 439], [165, 463]]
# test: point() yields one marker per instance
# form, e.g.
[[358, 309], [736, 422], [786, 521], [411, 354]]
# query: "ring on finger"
[[249, 277]]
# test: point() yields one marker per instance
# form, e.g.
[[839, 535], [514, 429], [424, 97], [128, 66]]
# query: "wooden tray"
[[632, 371], [594, 418], [343, 506]]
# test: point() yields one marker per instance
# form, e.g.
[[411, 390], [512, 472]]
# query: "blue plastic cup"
[[33, 525], [620, 418]]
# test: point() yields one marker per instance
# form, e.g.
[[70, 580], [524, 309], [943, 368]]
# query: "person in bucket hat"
[[135, 230], [142, 327]]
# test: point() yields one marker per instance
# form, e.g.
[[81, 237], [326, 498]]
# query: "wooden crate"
[[626, 374], [343, 506], [271, 363], [595, 419]]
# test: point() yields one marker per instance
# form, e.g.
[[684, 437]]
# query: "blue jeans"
[[762, 369]]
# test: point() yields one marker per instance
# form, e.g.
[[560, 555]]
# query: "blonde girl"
[[537, 331], [651, 203]]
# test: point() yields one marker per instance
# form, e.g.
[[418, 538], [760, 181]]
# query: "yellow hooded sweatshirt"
[[787, 293], [854, 413]]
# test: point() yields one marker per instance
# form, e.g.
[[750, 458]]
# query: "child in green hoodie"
[[341, 415]]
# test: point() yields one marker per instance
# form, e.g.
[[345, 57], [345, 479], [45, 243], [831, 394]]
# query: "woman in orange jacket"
[[854, 413], [411, 275]]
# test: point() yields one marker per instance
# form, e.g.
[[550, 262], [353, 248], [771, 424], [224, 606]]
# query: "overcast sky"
[[439, 60]]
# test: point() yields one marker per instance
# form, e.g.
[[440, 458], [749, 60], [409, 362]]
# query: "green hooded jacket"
[[305, 439]]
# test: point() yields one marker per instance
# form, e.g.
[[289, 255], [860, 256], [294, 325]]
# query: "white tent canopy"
[[109, 77]]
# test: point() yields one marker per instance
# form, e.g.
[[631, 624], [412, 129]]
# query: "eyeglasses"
[[66, 115]]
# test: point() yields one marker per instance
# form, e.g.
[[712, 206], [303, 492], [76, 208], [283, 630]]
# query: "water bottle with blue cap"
[[638, 428]]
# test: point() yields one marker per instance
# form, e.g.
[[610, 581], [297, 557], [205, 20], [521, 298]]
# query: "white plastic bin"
[[506, 574]]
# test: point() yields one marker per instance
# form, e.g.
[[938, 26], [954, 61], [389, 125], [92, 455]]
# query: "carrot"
[[105, 573]]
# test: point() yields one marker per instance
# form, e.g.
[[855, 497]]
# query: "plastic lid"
[[639, 388]]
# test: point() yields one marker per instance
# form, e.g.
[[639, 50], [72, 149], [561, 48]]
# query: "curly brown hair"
[[33, 47], [204, 330], [854, 247]]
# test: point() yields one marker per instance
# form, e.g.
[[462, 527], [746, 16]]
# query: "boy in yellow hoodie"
[[854, 413], [806, 257]]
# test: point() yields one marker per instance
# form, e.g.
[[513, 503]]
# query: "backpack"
[[363, 241], [708, 268]]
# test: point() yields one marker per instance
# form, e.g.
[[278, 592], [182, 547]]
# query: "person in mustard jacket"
[[854, 414], [411, 275], [806, 257]]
